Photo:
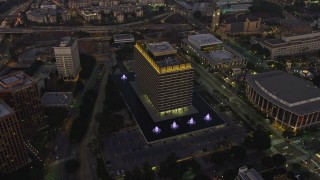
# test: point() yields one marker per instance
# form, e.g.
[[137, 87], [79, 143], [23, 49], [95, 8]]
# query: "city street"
[[64, 149]]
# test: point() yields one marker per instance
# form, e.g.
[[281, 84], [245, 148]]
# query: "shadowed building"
[[20, 92], [13, 153], [292, 102], [163, 76]]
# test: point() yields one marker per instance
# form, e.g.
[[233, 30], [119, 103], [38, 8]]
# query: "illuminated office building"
[[163, 76]]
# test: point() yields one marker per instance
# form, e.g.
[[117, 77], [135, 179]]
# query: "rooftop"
[[65, 41], [123, 38], [4, 109], [287, 91], [161, 48], [57, 99], [204, 39], [162, 57], [14, 81], [221, 55]]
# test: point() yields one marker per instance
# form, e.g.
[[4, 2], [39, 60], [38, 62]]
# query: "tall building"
[[67, 58], [215, 19], [20, 92], [13, 153], [163, 76]]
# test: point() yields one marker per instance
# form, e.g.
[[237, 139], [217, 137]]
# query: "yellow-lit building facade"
[[163, 76]]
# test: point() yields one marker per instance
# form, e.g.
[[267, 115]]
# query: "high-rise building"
[[67, 58], [13, 153], [20, 92], [163, 76]]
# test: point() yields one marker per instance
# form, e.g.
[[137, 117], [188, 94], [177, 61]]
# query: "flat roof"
[[161, 48], [4, 109], [287, 91], [205, 39], [215, 57], [275, 41], [57, 98], [221, 55], [14, 81], [118, 38]]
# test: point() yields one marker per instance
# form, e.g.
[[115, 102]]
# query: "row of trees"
[[80, 124], [234, 153], [87, 65], [110, 122]]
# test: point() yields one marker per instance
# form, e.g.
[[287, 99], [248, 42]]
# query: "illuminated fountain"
[[174, 125], [207, 117], [156, 130], [124, 77], [191, 121]]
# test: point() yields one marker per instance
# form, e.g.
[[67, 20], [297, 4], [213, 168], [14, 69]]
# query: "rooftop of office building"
[[14, 81]]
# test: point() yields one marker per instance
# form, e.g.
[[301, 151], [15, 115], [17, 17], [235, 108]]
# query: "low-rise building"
[[42, 15], [293, 103], [291, 45], [123, 38], [248, 174], [211, 52], [240, 24]]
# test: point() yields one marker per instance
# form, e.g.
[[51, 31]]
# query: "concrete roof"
[[161, 48], [4, 109], [287, 91], [15, 81], [57, 98]]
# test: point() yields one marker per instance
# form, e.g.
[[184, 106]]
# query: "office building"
[[163, 76], [13, 153], [67, 58], [292, 102], [291, 45], [20, 92]]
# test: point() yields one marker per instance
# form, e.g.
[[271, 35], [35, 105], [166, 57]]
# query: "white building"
[[290, 45], [42, 15], [67, 58], [248, 174]]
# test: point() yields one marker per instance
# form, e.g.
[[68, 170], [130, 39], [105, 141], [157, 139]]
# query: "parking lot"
[[128, 149]]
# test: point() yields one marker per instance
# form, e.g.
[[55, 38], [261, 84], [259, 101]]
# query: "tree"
[[261, 140], [238, 152], [296, 166], [220, 157], [229, 174], [72, 166], [197, 14], [267, 162], [278, 160]]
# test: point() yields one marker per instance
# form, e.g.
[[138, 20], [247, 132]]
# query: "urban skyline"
[[159, 89]]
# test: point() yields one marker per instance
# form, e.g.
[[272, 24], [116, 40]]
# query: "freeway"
[[129, 27]]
